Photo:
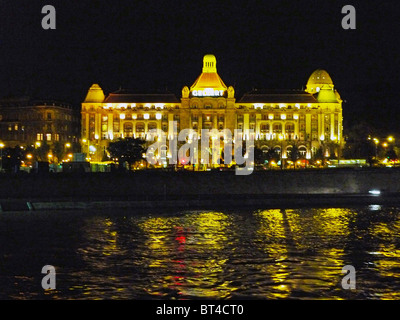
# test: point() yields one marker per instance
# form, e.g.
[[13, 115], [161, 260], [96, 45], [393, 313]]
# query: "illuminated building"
[[24, 121], [309, 119]]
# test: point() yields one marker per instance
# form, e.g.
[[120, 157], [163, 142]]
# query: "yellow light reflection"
[[386, 258], [200, 233], [289, 234], [110, 238]]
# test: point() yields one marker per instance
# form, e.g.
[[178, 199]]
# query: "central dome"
[[209, 78]]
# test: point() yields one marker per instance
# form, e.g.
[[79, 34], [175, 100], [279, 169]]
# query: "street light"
[[376, 148], [1, 155]]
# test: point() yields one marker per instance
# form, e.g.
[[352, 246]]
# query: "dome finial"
[[209, 63]]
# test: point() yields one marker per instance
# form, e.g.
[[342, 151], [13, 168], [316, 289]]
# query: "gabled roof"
[[277, 96]]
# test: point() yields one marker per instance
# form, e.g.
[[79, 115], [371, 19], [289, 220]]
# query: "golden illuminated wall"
[[210, 104]]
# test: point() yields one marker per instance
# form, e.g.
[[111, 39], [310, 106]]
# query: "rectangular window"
[[48, 136], [39, 136], [48, 115]]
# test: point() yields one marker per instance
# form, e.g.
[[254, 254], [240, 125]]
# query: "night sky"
[[155, 44]]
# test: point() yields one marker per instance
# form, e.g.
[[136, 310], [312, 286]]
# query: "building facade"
[[25, 121], [309, 119]]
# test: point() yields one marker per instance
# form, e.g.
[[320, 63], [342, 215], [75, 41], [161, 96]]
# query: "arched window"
[[277, 128], [128, 129], [264, 128], [140, 127], [289, 127], [152, 125], [302, 151]]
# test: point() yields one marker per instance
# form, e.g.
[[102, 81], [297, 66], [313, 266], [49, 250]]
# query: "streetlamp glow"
[[1, 155]]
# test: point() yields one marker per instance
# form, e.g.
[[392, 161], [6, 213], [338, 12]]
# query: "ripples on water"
[[226, 254]]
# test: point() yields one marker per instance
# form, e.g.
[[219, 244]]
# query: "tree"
[[391, 155], [259, 156], [42, 151], [294, 155], [58, 150], [272, 155], [12, 157], [127, 150], [319, 155], [359, 144]]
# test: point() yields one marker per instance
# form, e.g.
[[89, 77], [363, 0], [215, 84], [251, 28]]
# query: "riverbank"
[[155, 189]]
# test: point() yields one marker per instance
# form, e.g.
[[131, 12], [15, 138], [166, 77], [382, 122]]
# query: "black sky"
[[157, 44]]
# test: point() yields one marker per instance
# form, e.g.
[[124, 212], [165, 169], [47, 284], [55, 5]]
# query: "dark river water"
[[202, 254]]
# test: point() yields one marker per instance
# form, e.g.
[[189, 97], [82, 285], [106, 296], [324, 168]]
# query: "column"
[[110, 127]]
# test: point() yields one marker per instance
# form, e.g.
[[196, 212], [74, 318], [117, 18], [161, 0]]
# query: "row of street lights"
[[385, 144]]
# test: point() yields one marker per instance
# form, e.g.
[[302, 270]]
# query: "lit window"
[[122, 116], [271, 117], [295, 116], [283, 116], [134, 116], [48, 136], [158, 116], [39, 136], [146, 116]]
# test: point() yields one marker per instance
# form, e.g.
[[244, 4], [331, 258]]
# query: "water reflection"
[[188, 253], [273, 254], [289, 235], [385, 252]]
